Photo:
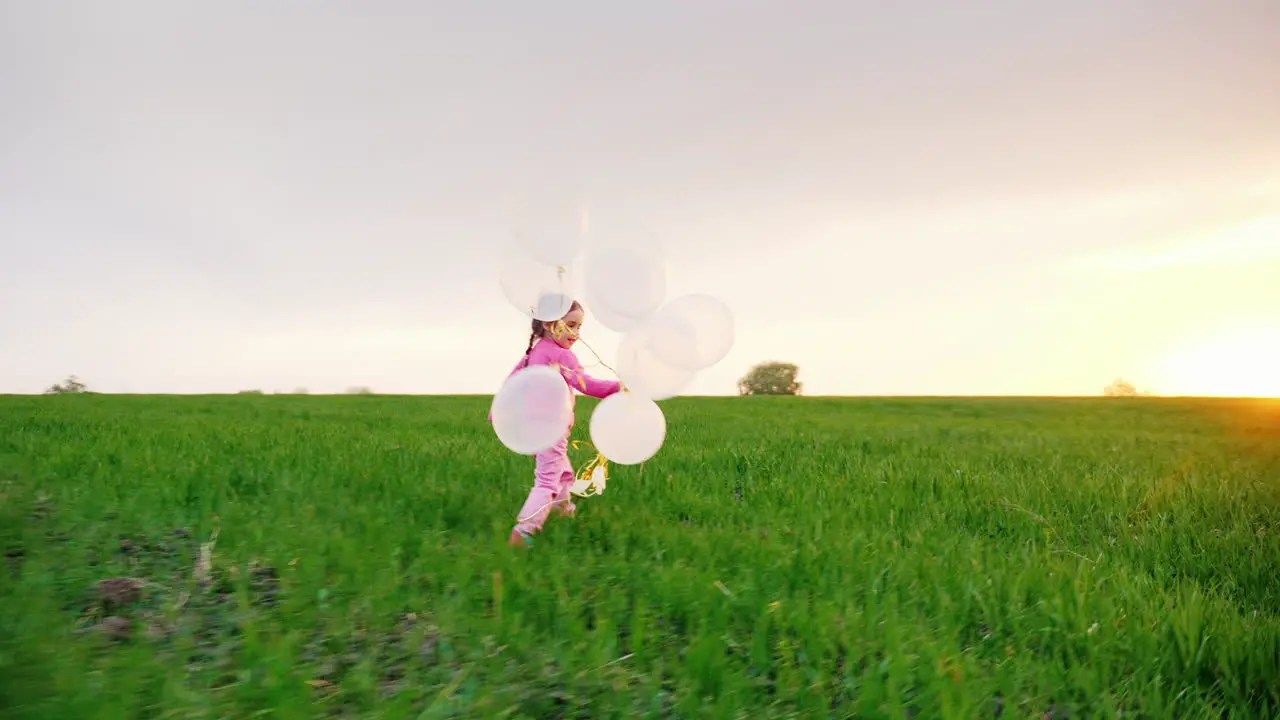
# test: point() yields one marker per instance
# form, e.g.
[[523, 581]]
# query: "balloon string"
[[623, 386], [600, 460], [600, 361], [560, 328], [534, 514]]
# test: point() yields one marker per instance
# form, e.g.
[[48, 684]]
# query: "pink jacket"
[[548, 352]]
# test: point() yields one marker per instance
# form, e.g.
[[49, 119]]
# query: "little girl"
[[551, 343]]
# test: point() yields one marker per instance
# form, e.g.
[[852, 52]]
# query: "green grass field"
[[780, 557]]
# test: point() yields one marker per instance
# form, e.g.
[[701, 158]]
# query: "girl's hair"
[[538, 328]]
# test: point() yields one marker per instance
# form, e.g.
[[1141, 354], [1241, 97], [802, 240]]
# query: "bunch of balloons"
[[665, 343]]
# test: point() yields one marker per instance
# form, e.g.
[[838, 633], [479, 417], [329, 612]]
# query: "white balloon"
[[644, 373], [692, 332], [627, 428], [627, 280], [551, 245], [533, 409], [610, 319], [550, 228], [539, 290]]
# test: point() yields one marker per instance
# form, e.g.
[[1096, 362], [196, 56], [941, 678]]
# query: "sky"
[[918, 198]]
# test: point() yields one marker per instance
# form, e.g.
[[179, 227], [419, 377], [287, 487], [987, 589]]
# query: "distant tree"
[[300, 391], [71, 385], [250, 392], [1120, 388], [359, 390], [770, 378]]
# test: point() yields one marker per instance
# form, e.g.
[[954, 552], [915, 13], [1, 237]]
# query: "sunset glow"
[[1238, 364]]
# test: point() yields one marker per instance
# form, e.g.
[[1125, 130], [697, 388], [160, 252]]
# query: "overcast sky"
[[921, 197]]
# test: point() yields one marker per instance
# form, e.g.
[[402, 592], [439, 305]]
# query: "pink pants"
[[553, 478]]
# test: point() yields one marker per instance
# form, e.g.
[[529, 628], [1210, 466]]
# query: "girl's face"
[[565, 331]]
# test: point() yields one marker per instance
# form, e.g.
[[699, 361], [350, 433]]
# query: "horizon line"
[[892, 396]]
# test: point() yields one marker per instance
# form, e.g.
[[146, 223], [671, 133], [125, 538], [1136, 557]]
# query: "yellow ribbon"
[[587, 470]]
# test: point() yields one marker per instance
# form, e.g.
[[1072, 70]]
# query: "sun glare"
[[1240, 364]]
